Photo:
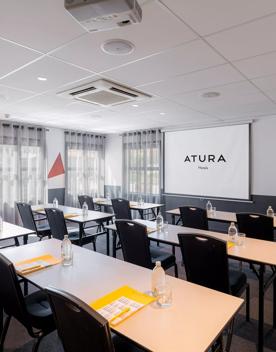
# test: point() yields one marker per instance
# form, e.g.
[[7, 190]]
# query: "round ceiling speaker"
[[117, 47]]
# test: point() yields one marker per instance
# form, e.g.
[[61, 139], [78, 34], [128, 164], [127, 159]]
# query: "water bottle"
[[209, 206], [232, 232], [140, 202], [158, 279], [66, 251], [85, 210], [270, 211], [55, 203], [159, 222]]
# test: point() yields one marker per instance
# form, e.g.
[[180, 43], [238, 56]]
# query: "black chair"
[[59, 229], [256, 226], [32, 311], [81, 328], [136, 247], [89, 201], [28, 221], [121, 208], [194, 217]]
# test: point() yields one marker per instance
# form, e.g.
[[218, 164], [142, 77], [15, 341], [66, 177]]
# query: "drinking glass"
[[241, 239], [164, 295], [166, 227]]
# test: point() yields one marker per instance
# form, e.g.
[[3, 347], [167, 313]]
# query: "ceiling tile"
[[236, 100], [214, 15], [258, 66], [10, 95], [210, 77], [186, 58], [41, 25], [86, 51], [267, 84], [248, 40], [56, 72], [14, 56]]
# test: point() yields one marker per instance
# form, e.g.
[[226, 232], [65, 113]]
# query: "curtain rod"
[[85, 134], [23, 126]]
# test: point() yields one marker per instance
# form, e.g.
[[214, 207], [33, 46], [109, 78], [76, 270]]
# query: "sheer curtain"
[[22, 167], [142, 165], [84, 165]]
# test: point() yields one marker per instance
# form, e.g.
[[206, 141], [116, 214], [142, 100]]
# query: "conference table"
[[154, 208], [11, 231], [253, 251], [219, 216], [184, 326], [75, 215]]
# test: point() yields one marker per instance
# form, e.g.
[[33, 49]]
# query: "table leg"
[[261, 310], [16, 241], [173, 219], [107, 241], [141, 213], [81, 231]]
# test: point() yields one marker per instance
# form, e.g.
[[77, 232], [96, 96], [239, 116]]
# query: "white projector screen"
[[209, 162]]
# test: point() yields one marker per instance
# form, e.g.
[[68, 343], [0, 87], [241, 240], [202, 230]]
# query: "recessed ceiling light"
[[162, 113], [117, 47], [42, 78], [135, 105], [210, 95]]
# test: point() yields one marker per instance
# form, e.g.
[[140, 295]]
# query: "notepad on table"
[[68, 216], [230, 244], [31, 265], [151, 226], [121, 304]]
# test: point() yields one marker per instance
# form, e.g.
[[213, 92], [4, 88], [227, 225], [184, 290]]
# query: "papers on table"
[[151, 226], [68, 216], [31, 265], [121, 304]]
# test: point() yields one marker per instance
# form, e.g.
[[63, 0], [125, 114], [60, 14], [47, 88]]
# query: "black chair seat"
[[237, 281], [167, 259], [122, 345], [39, 310]]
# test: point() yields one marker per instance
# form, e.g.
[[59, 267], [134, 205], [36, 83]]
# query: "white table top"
[[185, 326], [132, 205], [92, 215], [224, 216], [254, 250], [12, 231]]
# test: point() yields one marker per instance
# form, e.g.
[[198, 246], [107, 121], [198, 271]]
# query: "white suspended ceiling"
[[183, 49]]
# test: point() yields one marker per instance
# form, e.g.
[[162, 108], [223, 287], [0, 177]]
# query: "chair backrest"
[[121, 208], [79, 327], [194, 217], [26, 215], [11, 296], [56, 222], [135, 243], [256, 226], [89, 201], [205, 260]]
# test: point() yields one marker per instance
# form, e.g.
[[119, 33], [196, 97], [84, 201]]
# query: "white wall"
[[264, 157], [113, 160]]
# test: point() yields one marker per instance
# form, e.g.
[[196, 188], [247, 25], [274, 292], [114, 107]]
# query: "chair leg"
[[247, 303], [25, 287], [175, 270], [37, 343], [94, 245], [4, 332]]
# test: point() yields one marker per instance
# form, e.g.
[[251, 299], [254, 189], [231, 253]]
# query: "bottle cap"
[[158, 263]]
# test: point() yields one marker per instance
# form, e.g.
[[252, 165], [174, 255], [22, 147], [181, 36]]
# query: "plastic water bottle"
[[159, 222], [66, 251], [158, 279], [209, 206], [55, 203], [232, 232], [270, 211], [85, 210]]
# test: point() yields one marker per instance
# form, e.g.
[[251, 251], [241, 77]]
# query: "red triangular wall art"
[[57, 168]]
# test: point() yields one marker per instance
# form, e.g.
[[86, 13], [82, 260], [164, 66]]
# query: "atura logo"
[[204, 158]]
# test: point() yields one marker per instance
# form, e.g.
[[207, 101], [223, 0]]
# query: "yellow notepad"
[[68, 216], [230, 244], [121, 304], [31, 265], [39, 209]]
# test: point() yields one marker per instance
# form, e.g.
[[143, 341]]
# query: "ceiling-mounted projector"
[[97, 15]]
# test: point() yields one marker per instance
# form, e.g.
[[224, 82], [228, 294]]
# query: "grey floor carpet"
[[245, 334]]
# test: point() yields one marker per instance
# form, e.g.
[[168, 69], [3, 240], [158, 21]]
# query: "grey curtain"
[[84, 164], [22, 167], [142, 165]]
